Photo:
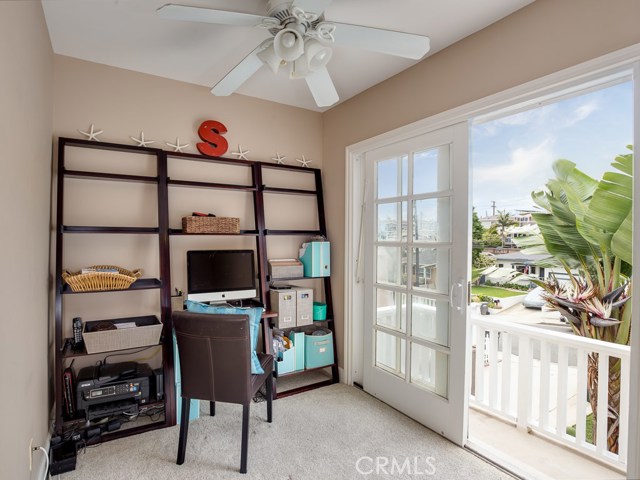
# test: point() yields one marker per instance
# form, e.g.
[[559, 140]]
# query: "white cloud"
[[581, 113], [540, 118], [511, 182], [535, 116]]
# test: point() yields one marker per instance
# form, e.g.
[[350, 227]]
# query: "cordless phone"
[[77, 331]]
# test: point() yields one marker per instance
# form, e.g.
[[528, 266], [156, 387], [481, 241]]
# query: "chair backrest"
[[215, 352]]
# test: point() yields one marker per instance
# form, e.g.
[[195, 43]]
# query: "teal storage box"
[[319, 311], [318, 350], [288, 362], [297, 338], [315, 259], [194, 409]]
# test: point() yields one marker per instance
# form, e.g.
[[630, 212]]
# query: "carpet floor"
[[336, 432]]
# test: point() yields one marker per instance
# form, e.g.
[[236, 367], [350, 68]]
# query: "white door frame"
[[580, 77], [439, 407]]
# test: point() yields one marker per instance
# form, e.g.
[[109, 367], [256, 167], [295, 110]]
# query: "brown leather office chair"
[[215, 366]]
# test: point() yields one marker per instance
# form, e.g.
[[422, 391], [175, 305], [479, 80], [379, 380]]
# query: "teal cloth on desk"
[[254, 313]]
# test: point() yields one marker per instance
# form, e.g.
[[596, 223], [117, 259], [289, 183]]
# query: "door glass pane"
[[389, 226], [392, 177], [390, 353], [430, 319], [430, 269], [431, 220], [391, 309], [388, 267], [431, 170], [429, 369]]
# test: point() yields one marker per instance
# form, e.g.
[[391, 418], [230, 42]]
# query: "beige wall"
[[122, 103], [25, 172], [542, 38]]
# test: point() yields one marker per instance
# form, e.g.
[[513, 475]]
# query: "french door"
[[416, 271]]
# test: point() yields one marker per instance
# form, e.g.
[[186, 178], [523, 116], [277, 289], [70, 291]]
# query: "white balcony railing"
[[537, 378]]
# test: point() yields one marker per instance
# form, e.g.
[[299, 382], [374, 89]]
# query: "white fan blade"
[[322, 88], [400, 44], [312, 6], [240, 74], [208, 15]]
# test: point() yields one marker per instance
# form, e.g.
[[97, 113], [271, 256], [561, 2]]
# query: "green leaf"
[[561, 239], [622, 241], [624, 163], [611, 202]]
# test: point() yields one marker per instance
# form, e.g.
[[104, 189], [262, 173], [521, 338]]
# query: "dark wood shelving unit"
[[96, 229], [306, 370], [71, 352], [86, 175], [326, 281], [164, 185], [217, 186], [162, 284], [178, 231], [140, 284], [288, 191], [293, 232]]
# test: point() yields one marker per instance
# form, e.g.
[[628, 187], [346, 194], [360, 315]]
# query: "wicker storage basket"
[[210, 225], [146, 332], [100, 281]]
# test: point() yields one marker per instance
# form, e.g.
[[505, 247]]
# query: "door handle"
[[456, 296]]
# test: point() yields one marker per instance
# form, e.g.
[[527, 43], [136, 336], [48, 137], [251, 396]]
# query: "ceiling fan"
[[301, 40]]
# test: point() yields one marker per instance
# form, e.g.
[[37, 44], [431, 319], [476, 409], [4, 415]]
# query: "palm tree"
[[503, 222], [585, 225]]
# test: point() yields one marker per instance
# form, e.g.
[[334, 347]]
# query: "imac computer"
[[217, 276]]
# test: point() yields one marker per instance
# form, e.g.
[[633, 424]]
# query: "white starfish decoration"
[[304, 161], [279, 159], [242, 154], [177, 147], [141, 141], [91, 134]]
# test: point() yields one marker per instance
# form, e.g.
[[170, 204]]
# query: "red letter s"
[[214, 144]]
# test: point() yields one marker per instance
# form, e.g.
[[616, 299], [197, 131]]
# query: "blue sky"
[[513, 155]]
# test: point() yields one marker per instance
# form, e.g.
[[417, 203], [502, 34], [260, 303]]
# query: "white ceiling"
[[128, 34]]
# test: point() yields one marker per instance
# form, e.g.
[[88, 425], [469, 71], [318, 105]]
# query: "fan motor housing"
[[278, 6]]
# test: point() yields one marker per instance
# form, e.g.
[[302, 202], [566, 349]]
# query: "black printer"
[[115, 382]]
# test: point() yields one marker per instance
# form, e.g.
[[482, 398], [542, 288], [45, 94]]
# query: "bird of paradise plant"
[[585, 226]]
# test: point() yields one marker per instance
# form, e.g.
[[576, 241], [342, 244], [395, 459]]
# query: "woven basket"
[[210, 225], [147, 332], [100, 281]]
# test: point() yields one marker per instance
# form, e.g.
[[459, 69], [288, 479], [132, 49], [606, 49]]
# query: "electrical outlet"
[[31, 454]]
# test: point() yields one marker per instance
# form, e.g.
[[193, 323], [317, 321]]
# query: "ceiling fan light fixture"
[[316, 55], [270, 58], [288, 44]]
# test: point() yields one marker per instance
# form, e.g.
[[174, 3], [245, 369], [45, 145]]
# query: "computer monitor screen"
[[220, 275]]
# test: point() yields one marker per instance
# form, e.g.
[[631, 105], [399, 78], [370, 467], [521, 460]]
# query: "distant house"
[[522, 263], [519, 231]]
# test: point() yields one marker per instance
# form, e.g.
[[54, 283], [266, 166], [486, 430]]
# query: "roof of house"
[[520, 257]]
